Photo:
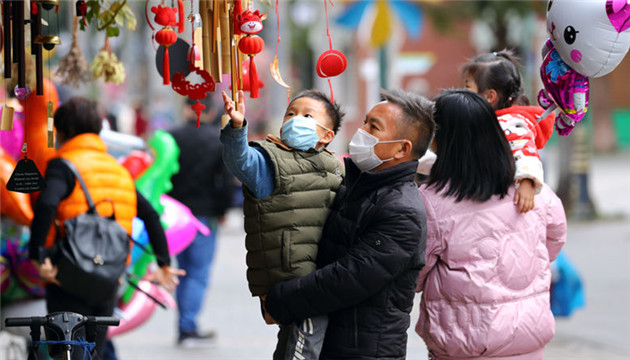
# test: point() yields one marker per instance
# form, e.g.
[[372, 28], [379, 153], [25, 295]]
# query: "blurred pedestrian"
[[78, 124], [496, 77], [205, 186], [486, 283], [373, 242]]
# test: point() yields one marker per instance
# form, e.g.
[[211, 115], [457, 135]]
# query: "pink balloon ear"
[[619, 14]]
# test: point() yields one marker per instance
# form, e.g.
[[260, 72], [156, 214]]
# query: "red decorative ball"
[[331, 63], [166, 37], [251, 45]]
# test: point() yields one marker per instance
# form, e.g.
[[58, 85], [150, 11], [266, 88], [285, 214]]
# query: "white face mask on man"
[[362, 150]]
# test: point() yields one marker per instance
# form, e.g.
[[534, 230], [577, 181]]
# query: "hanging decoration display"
[[194, 91], [274, 67], [6, 37], [107, 66], [331, 62], [186, 88], [73, 68], [106, 17], [16, 28], [250, 24], [169, 18]]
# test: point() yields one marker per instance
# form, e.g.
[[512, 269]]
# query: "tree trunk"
[[573, 187], [604, 138]]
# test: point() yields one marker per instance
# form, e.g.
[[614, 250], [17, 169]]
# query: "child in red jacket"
[[495, 76]]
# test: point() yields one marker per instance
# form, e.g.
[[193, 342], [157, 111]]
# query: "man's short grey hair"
[[416, 122]]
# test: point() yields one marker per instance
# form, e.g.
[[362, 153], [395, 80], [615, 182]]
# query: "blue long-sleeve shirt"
[[250, 164]]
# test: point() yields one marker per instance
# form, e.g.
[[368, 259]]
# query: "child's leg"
[[303, 340]]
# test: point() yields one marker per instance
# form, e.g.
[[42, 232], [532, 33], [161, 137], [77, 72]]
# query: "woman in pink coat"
[[485, 287]]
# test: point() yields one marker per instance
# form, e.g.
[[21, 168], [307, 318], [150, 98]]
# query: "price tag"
[[26, 178]]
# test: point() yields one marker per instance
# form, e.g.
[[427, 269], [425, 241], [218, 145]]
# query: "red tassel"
[[180, 5], [166, 73], [332, 96], [253, 78]]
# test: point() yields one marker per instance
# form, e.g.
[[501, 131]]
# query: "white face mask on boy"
[[362, 150]]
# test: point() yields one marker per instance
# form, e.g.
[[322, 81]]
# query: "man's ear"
[[492, 97], [405, 150]]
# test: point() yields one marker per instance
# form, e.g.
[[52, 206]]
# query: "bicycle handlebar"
[[103, 320], [26, 321], [43, 320]]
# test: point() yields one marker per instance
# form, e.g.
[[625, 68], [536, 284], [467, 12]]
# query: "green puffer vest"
[[284, 228]]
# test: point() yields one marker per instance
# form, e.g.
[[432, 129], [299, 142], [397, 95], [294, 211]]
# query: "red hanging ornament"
[[245, 86], [194, 91], [168, 18], [331, 62], [250, 23], [81, 9]]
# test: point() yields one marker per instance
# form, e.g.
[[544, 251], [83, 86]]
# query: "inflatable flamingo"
[[140, 308]]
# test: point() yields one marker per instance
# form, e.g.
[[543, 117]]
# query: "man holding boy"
[[373, 243]]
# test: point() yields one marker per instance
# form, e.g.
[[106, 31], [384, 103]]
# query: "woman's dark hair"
[[77, 116], [474, 160], [498, 71], [332, 108]]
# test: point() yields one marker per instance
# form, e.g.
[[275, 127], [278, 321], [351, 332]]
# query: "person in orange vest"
[[78, 124]]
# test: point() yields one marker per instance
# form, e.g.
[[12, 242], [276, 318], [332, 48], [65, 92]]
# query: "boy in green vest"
[[289, 184]]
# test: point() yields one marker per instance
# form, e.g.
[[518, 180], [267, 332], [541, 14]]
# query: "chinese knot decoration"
[[194, 91], [168, 18], [250, 23]]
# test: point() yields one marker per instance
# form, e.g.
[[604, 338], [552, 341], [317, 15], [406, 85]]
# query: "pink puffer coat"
[[487, 277]]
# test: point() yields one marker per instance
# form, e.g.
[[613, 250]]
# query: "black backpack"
[[92, 256]]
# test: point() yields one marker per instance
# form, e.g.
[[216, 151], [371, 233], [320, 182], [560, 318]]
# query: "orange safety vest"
[[105, 179]]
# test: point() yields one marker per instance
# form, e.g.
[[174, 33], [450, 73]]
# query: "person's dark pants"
[[59, 300]]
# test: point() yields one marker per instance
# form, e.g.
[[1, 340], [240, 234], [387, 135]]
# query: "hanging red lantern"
[[250, 23], [166, 37], [331, 62], [168, 18]]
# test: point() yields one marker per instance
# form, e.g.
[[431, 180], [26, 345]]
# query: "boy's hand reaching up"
[[237, 114]]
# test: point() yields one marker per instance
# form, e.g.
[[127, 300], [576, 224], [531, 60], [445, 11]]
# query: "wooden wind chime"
[[219, 46], [14, 52]]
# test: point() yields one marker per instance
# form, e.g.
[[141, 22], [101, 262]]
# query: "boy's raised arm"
[[246, 163], [237, 114]]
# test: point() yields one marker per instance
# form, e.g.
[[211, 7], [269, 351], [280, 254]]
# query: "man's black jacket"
[[371, 251], [203, 183]]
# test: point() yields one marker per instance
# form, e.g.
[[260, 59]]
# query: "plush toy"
[[250, 23], [587, 39], [168, 18]]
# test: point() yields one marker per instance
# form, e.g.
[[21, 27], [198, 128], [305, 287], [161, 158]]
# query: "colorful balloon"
[[566, 88], [137, 162], [587, 39], [119, 144], [36, 134], [592, 37], [23, 269], [140, 308], [156, 180], [5, 274], [140, 236], [181, 225], [12, 140]]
